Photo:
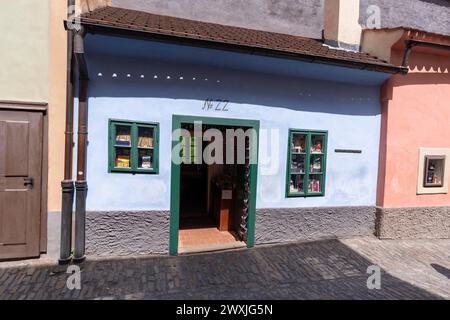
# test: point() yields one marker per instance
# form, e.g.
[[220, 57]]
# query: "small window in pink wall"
[[434, 171]]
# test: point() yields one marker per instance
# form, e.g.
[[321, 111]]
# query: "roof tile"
[[198, 30]]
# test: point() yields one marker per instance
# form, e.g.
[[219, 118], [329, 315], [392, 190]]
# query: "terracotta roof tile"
[[155, 24]]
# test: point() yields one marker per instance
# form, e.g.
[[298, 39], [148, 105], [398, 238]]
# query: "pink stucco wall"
[[415, 113]]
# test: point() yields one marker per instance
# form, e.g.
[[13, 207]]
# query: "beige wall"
[[33, 69], [341, 21], [89, 5], [379, 42], [57, 101], [24, 50]]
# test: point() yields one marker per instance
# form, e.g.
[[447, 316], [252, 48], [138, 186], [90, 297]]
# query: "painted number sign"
[[215, 105]]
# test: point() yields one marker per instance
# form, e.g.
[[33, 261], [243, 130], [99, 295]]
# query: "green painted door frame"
[[177, 120]]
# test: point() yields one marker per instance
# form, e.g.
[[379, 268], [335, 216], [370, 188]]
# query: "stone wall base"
[[127, 232], [413, 223], [294, 224], [147, 232]]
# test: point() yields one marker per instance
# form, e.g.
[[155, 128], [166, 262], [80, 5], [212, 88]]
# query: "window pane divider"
[[134, 148], [308, 154]]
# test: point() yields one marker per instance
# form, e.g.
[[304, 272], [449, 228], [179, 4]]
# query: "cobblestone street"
[[331, 269]]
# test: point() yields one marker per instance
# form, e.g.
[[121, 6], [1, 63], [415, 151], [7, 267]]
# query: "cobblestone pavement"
[[331, 269]]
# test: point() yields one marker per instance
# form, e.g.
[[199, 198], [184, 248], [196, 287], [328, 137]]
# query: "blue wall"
[[343, 101]]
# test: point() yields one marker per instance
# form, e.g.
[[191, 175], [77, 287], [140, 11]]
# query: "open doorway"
[[211, 197], [215, 206]]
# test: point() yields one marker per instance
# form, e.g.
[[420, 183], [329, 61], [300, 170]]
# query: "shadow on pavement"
[[442, 270], [314, 270]]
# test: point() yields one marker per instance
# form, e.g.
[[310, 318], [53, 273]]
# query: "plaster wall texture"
[[413, 223], [350, 113], [416, 114], [427, 15], [53, 234], [24, 50], [146, 232], [294, 224], [297, 17], [125, 233]]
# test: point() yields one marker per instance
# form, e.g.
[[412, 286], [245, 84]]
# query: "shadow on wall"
[[315, 270], [426, 78], [124, 77], [429, 15], [429, 71], [438, 2], [427, 66]]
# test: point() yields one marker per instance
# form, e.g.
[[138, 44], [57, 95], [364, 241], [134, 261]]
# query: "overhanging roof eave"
[[105, 29]]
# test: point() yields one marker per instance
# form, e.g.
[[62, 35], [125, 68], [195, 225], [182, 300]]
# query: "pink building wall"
[[415, 114]]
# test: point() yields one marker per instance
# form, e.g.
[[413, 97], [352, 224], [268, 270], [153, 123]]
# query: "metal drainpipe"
[[406, 53], [67, 184], [81, 183], [410, 43]]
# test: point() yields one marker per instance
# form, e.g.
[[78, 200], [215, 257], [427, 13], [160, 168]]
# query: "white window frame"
[[423, 152]]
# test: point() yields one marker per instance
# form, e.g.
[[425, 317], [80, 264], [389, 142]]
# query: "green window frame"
[[133, 147], [306, 165]]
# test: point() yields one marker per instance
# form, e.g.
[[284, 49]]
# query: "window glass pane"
[[316, 144], [315, 183], [133, 146], [315, 163], [123, 159], [297, 183], [306, 163], [434, 171], [188, 149], [123, 136], [145, 158], [298, 163], [145, 137], [298, 143]]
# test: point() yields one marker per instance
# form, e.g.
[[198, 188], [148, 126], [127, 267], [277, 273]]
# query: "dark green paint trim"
[[177, 120], [308, 134], [174, 195], [134, 125]]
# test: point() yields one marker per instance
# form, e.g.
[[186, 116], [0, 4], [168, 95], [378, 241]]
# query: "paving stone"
[[332, 269]]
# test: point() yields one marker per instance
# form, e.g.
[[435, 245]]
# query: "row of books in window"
[[298, 144], [298, 164], [297, 184], [123, 158], [123, 137]]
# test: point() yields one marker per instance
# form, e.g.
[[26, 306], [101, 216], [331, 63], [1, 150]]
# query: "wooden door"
[[20, 183]]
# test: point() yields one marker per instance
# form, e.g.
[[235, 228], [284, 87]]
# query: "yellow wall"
[[379, 42], [57, 101], [24, 50], [341, 21], [33, 69]]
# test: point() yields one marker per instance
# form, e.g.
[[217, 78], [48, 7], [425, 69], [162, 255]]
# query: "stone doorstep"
[[212, 247], [42, 261]]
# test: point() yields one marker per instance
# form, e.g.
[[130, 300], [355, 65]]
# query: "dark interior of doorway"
[[206, 219]]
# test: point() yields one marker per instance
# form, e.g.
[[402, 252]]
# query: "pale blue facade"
[[147, 81]]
